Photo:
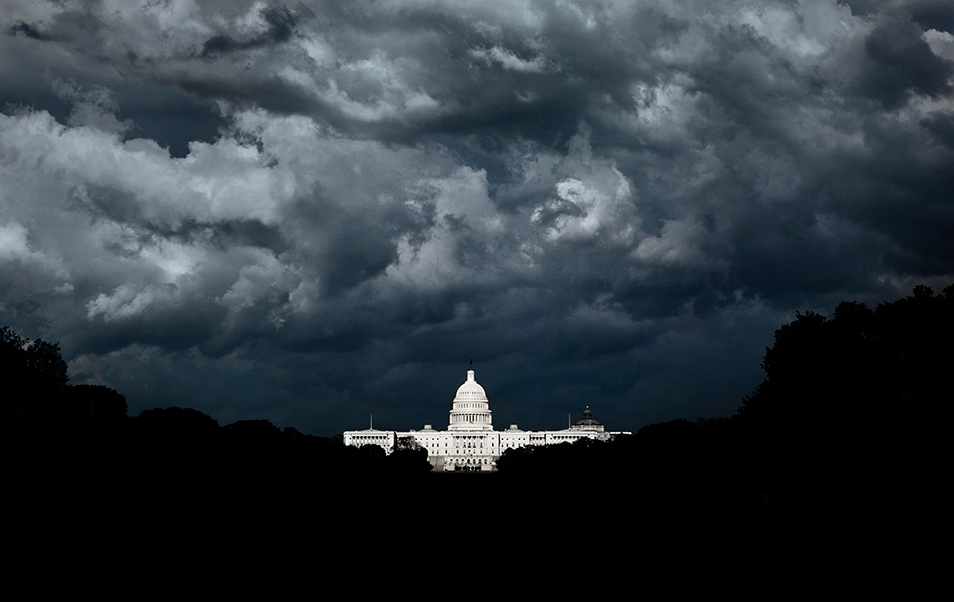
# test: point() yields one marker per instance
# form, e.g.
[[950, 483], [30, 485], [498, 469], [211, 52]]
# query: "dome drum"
[[471, 408]]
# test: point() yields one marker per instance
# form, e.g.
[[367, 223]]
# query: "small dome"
[[587, 420]]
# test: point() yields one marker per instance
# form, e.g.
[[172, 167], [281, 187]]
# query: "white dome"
[[470, 390], [471, 410]]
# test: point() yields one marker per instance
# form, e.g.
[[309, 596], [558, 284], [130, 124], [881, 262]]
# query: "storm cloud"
[[313, 212]]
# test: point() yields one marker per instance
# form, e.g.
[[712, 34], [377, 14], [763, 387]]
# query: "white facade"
[[470, 442]]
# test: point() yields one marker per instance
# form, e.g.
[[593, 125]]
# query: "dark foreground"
[[499, 531]]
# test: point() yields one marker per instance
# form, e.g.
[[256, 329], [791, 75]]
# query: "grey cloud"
[[25, 29], [942, 126], [281, 24], [902, 63], [932, 14]]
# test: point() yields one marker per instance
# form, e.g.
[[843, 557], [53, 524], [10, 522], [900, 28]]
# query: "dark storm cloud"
[[281, 24], [25, 29], [932, 14], [942, 126], [323, 210], [903, 64]]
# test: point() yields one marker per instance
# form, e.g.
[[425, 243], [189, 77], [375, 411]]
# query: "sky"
[[314, 212]]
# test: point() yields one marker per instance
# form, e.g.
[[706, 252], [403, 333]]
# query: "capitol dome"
[[471, 409], [470, 390]]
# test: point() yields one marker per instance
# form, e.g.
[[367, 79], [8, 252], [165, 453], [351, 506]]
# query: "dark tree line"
[[854, 409], [860, 401], [77, 442]]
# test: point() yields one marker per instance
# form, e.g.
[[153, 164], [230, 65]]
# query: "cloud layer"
[[311, 213]]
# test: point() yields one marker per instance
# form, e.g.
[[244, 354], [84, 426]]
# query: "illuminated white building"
[[470, 441]]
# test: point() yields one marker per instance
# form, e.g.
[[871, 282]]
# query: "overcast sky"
[[315, 211]]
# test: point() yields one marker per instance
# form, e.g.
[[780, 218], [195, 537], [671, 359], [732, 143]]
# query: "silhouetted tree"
[[34, 374], [95, 406], [856, 398], [407, 443], [175, 453], [408, 458], [177, 426]]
